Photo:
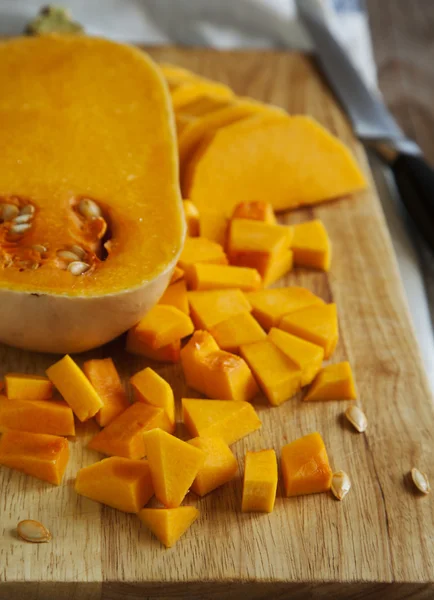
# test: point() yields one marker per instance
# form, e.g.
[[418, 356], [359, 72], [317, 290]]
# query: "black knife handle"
[[415, 181]]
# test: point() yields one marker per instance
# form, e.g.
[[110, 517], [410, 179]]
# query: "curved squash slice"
[[291, 161], [91, 221], [190, 92]]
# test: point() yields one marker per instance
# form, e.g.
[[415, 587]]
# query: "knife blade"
[[372, 121]]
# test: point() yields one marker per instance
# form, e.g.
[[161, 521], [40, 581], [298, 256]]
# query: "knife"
[[372, 122]]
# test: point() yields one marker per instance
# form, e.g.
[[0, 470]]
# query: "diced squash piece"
[[316, 324], [54, 417], [257, 211], [192, 217], [168, 524], [227, 419], [121, 483], [176, 75], [124, 435], [257, 244], [163, 325], [174, 465], [311, 245], [75, 388], [333, 382], [149, 387], [278, 376], [269, 306], [306, 356], [181, 121], [177, 274], [236, 331], [37, 454], [27, 387], [204, 105], [204, 276], [189, 92], [220, 464], [227, 376], [201, 250], [305, 466], [231, 167], [260, 481], [213, 227], [214, 306], [200, 344], [280, 266], [105, 379], [176, 295], [169, 353]]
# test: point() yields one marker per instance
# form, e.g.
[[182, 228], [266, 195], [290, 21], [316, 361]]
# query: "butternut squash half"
[[91, 222]]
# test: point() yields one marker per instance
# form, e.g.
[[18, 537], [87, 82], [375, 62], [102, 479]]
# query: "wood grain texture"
[[379, 541]]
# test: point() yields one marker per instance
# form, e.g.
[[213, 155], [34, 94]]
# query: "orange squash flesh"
[[306, 356], [105, 379], [256, 211], [192, 218], [260, 481], [200, 345], [102, 114], [220, 277], [169, 353], [201, 250], [176, 295], [214, 306], [163, 325], [118, 482], [36, 416], [236, 331], [333, 382], [168, 524], [27, 387], [220, 465], [39, 455], [149, 387], [311, 245]]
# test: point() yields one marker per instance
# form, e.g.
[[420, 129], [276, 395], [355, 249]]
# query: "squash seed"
[[33, 531], [78, 250], [420, 480], [357, 418], [19, 228], [8, 212], [28, 209], [341, 484], [67, 255], [39, 248], [89, 209], [23, 218], [78, 268]]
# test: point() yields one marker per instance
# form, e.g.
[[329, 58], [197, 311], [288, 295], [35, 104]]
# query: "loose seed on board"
[[23, 218], [67, 255], [357, 418], [8, 212], [33, 531], [420, 480], [78, 250], [28, 209], [39, 248], [19, 228], [78, 267], [341, 484], [89, 209]]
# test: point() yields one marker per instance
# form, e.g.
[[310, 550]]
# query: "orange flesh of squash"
[[219, 277], [305, 466], [176, 295], [202, 250], [192, 218], [256, 211], [311, 245], [107, 134], [39, 455], [220, 465], [149, 387], [27, 387], [200, 345], [36, 416], [168, 524], [334, 382], [105, 379], [236, 331], [260, 481], [214, 306], [169, 353], [306, 356], [163, 325]]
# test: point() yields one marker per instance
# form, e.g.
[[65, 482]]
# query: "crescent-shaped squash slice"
[[91, 221]]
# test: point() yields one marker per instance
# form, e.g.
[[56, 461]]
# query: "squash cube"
[[269, 306], [169, 353], [105, 379], [149, 387], [27, 387], [220, 465], [192, 218], [228, 419], [200, 344], [168, 524], [311, 245], [124, 435], [257, 211], [177, 275], [334, 382], [260, 481], [75, 388], [54, 417], [121, 483], [174, 465], [306, 356], [176, 295], [236, 331], [37, 454], [305, 466], [201, 250], [204, 276], [278, 376], [280, 265], [212, 307], [227, 376], [316, 324], [163, 325]]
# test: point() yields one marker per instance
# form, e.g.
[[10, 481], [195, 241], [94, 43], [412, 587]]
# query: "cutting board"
[[379, 539]]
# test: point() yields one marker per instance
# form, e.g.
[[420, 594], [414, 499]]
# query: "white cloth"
[[253, 23]]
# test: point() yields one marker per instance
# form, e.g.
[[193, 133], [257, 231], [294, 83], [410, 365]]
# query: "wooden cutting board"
[[379, 540]]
